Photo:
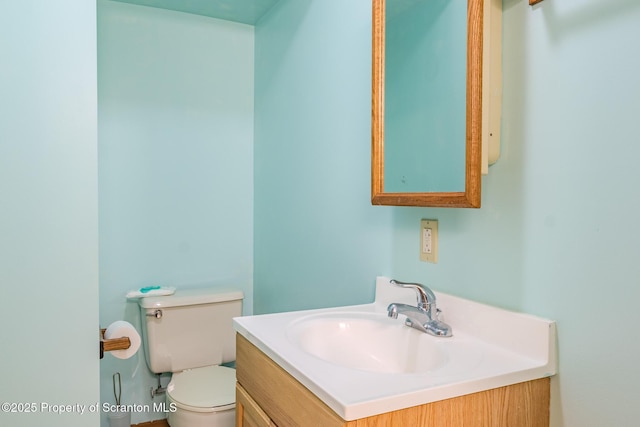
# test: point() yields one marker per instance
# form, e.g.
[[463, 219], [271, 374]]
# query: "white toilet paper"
[[119, 329]]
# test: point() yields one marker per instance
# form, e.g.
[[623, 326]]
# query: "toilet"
[[190, 334]]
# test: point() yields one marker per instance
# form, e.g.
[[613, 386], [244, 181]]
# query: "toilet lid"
[[206, 388]]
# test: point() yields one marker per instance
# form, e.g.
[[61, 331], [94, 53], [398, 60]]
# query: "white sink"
[[369, 342], [361, 363]]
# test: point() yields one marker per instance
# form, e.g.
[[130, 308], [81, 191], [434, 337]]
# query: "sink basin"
[[368, 341], [361, 363]]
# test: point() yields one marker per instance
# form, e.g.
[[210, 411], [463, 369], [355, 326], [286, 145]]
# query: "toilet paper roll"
[[119, 329]]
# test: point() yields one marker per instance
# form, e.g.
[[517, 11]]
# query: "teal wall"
[[244, 11], [317, 241], [175, 165], [557, 234], [48, 211]]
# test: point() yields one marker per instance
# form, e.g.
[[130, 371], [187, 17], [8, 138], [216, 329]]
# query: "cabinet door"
[[248, 413]]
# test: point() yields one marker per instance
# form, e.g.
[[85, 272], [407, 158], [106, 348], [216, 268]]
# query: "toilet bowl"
[[202, 397]]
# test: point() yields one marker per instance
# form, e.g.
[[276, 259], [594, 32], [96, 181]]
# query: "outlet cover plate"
[[429, 240]]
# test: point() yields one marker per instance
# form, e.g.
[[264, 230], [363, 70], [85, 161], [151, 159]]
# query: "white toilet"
[[190, 333]]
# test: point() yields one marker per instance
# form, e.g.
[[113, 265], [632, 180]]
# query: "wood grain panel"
[[248, 412], [282, 397], [156, 423], [519, 405]]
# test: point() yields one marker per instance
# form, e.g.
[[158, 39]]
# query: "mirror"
[[427, 103]]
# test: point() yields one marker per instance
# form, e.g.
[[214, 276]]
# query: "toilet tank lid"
[[192, 297]]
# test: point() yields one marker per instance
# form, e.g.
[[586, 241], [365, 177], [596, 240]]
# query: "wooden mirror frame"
[[470, 197]]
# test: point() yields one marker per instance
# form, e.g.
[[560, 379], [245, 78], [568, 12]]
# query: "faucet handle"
[[424, 294]]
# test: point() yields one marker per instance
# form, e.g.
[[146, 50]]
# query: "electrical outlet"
[[429, 240]]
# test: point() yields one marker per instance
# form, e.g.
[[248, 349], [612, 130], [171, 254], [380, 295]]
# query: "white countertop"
[[500, 348]]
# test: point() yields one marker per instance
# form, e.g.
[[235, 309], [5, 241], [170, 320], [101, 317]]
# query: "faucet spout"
[[424, 295], [423, 316]]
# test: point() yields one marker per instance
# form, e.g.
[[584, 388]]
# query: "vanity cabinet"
[[248, 412], [268, 396]]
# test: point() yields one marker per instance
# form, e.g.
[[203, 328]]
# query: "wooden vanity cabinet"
[[267, 396], [248, 412]]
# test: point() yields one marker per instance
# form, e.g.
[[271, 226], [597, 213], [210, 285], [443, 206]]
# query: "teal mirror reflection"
[[426, 111], [425, 95]]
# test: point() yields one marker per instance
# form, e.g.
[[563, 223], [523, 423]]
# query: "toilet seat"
[[206, 389]]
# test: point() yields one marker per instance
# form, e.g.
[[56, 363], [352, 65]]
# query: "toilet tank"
[[194, 329]]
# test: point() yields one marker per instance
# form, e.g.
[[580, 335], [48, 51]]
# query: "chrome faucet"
[[423, 317]]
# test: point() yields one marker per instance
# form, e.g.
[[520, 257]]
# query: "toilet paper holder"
[[113, 343]]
